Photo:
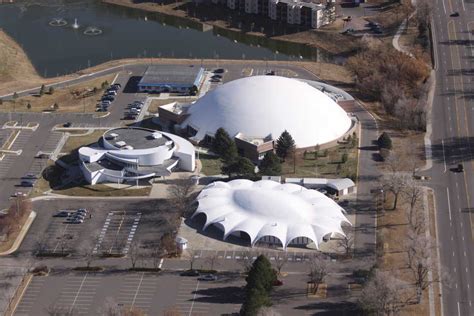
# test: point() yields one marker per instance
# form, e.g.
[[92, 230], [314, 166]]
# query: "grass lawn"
[[211, 165], [71, 99], [327, 165], [75, 142]]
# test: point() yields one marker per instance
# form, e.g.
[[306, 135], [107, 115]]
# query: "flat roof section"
[[138, 138], [170, 74]]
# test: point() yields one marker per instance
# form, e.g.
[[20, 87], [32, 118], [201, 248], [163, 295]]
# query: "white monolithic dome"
[[262, 106], [269, 209]]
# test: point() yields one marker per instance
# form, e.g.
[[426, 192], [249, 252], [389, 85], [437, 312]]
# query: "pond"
[[62, 37]]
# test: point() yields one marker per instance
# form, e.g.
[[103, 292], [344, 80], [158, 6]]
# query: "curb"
[[17, 298], [21, 235]]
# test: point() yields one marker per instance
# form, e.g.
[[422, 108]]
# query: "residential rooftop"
[[170, 74]]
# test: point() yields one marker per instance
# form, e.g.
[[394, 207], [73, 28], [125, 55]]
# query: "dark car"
[[67, 124], [271, 73], [454, 14], [219, 71], [460, 168], [29, 176], [108, 98], [189, 273], [27, 183]]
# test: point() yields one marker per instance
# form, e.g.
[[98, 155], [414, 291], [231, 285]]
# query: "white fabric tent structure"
[[262, 106], [267, 208]]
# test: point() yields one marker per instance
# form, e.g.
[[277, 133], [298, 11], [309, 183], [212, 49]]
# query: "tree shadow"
[[332, 308], [453, 150], [221, 295]]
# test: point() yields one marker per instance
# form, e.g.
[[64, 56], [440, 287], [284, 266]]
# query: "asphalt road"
[[453, 143]]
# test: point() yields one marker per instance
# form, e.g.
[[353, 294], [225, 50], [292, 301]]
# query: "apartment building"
[[295, 12]]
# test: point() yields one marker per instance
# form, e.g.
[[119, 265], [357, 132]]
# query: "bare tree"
[[419, 248], [318, 270], [413, 194], [247, 260], [211, 259], [347, 242], [41, 245], [423, 14], [281, 259], [179, 194], [57, 310], [382, 295], [63, 242], [395, 183], [134, 253], [191, 255], [156, 254], [110, 308]]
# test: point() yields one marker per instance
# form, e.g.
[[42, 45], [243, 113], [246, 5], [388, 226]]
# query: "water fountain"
[[75, 25], [92, 31], [58, 22]]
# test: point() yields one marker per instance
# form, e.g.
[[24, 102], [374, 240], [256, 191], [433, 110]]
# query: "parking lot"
[[109, 227], [117, 232], [92, 293]]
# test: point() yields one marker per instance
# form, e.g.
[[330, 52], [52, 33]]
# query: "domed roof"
[[268, 208], [262, 106]]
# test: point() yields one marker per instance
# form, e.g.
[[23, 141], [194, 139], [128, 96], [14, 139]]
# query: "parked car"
[[214, 80], [67, 124], [29, 176], [208, 277], [62, 214], [112, 92], [454, 14], [271, 73], [189, 273], [108, 98], [27, 183], [460, 168], [117, 85], [219, 71], [82, 210]]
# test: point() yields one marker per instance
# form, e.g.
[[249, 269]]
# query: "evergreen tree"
[[51, 90], [285, 144], [270, 164], [254, 300], [239, 166], [261, 274], [42, 89], [28, 106], [224, 146], [260, 281], [384, 141]]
